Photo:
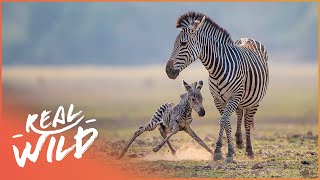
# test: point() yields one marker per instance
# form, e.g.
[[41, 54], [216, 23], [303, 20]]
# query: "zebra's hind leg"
[[238, 135], [136, 134], [174, 131], [248, 120], [153, 123], [164, 135]]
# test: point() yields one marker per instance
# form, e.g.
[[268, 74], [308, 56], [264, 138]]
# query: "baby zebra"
[[173, 118]]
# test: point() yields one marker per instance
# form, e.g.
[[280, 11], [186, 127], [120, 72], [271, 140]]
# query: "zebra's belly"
[[223, 94], [249, 100], [255, 84], [252, 97], [181, 125], [253, 92], [221, 97]]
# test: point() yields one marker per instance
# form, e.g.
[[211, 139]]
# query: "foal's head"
[[194, 96]]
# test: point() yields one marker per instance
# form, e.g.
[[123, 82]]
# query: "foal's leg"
[[197, 138], [164, 135], [174, 131], [238, 134], [136, 134], [149, 127], [248, 120]]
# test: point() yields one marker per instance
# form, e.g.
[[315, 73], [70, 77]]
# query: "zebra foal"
[[174, 118]]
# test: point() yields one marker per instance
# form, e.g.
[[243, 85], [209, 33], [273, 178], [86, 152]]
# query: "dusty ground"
[[276, 155]]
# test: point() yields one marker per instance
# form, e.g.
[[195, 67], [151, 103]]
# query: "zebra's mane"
[[187, 19], [183, 96]]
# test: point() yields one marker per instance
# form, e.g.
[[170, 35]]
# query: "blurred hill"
[[143, 33]]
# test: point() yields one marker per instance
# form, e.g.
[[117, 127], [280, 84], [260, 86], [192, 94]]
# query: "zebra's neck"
[[184, 103], [216, 33], [214, 55]]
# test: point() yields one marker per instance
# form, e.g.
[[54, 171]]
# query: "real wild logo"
[[71, 120]]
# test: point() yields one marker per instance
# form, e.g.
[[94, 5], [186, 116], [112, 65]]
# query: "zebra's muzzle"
[[171, 72], [202, 112]]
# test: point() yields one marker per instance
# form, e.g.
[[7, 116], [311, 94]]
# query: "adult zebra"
[[238, 73]]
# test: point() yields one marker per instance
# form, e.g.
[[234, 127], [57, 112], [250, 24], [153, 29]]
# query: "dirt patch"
[[187, 151], [277, 155]]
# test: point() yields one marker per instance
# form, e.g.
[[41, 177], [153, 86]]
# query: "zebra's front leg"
[[225, 125], [157, 148], [217, 152], [230, 153], [197, 138], [248, 117], [238, 135], [164, 135]]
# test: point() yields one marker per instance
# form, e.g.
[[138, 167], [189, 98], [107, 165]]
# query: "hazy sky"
[[143, 33]]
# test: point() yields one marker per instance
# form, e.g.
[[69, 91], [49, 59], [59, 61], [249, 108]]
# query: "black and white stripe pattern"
[[173, 118], [238, 72]]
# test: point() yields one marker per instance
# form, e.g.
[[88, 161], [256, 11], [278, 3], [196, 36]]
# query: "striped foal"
[[174, 118]]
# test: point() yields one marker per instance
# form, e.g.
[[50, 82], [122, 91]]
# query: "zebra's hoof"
[[217, 156], [119, 157], [240, 146], [156, 149], [229, 159], [173, 153], [250, 156]]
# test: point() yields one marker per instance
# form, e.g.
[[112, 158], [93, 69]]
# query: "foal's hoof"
[[240, 146], [250, 156], [229, 159], [119, 157], [217, 156], [156, 149]]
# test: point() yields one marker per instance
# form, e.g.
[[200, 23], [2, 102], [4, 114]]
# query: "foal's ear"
[[199, 85], [186, 85]]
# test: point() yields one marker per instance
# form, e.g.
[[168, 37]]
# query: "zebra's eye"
[[183, 43]]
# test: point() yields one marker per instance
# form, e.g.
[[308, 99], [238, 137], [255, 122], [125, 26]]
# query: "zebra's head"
[[194, 96], [186, 47]]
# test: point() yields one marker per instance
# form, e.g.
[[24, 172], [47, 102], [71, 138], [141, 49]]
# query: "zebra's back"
[[160, 116], [253, 45]]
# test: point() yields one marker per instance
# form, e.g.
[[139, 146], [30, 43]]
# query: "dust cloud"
[[188, 151]]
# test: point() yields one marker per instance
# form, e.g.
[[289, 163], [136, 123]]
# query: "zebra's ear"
[[186, 85], [200, 84], [197, 24]]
